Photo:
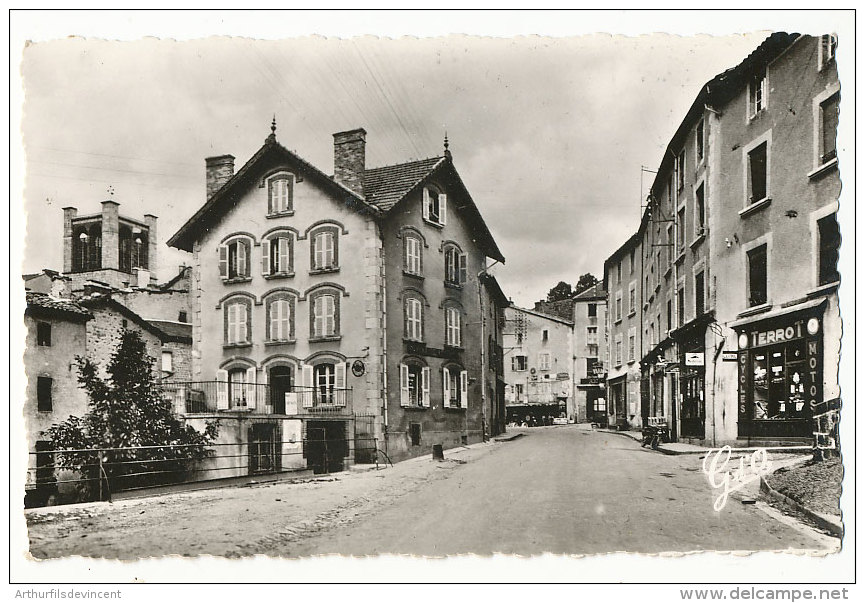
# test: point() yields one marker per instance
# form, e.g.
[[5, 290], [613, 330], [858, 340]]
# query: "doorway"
[[263, 451], [281, 379], [326, 446]]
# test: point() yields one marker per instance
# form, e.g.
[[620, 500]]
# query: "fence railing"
[[195, 397], [68, 476]]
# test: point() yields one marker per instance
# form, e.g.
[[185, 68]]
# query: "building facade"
[[739, 324], [336, 315], [590, 352], [538, 374]]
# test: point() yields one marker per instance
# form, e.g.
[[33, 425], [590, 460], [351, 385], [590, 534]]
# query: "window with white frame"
[[167, 361], [591, 335], [453, 335], [413, 319], [619, 349], [413, 255], [324, 249], [280, 322], [757, 172], [324, 379], [544, 361], [828, 128], [434, 206], [519, 362], [828, 47], [325, 315], [455, 384], [234, 259], [632, 344], [280, 194], [237, 321], [277, 255], [757, 93], [455, 266], [632, 298], [618, 306]]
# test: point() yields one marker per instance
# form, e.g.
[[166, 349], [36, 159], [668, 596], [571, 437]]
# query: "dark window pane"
[[830, 241], [43, 333], [757, 165], [829, 109], [757, 276], [43, 394], [699, 293]]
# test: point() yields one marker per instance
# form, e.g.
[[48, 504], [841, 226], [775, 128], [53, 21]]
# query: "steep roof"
[[386, 186], [40, 304], [172, 328], [596, 291]]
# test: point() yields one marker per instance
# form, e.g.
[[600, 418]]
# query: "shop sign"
[[729, 356], [783, 334], [694, 359]]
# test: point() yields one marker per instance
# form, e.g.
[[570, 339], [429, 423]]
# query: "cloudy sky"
[[548, 133]]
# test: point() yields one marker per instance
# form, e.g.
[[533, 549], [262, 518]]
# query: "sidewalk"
[[676, 448]]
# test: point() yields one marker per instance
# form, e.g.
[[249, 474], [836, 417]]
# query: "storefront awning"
[[808, 305]]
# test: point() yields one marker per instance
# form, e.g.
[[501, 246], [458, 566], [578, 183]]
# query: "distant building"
[[538, 373], [590, 352]]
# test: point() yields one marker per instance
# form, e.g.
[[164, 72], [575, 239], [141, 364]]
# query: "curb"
[[830, 524], [508, 437]]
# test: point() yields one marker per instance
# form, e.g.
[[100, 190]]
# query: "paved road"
[[561, 490]]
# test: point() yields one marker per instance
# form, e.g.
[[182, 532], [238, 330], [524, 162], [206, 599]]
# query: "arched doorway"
[[281, 379]]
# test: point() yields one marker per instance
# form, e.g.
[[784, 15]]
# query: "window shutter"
[[308, 385], [231, 334], [241, 258], [443, 208], [242, 315], [764, 87], [284, 254], [513, 363], [339, 384], [272, 320], [223, 261], [425, 204], [222, 389], [251, 388], [463, 269], [425, 383], [464, 389], [263, 391], [265, 257], [403, 385], [446, 386]]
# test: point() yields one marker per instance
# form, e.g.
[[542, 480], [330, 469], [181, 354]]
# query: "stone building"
[[590, 352], [336, 315], [538, 375], [739, 324]]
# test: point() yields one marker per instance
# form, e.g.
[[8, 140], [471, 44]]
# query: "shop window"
[[44, 394], [830, 241], [757, 175], [43, 333], [757, 274]]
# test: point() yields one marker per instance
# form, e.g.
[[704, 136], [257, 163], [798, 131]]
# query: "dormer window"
[[280, 191], [434, 206]]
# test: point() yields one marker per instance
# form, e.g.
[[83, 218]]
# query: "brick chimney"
[[69, 213], [219, 170], [349, 158]]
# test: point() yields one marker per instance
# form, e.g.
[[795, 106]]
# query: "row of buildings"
[[723, 307], [321, 318]]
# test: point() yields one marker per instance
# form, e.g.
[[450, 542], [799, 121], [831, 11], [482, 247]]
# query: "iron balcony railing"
[[196, 397]]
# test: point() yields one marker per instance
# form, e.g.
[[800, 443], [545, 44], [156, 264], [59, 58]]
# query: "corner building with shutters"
[[335, 315]]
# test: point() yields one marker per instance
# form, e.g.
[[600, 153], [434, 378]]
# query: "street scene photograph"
[[282, 298]]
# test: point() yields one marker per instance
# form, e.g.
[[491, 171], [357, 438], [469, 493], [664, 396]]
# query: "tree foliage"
[[559, 292], [127, 410], [587, 281]]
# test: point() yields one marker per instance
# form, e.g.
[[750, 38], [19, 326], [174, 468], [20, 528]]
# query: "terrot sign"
[[797, 330]]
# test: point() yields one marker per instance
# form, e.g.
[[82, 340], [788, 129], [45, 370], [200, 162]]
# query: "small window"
[[618, 305], [618, 350], [453, 335], [591, 335], [324, 316], [413, 319], [434, 206], [700, 293], [44, 394], [830, 241], [414, 433], [167, 362], [632, 344], [182, 316], [757, 93], [700, 209], [829, 128], [680, 171], [324, 250], [413, 255], [43, 333], [545, 335], [757, 176], [593, 310], [591, 363], [757, 286], [828, 47], [619, 271], [670, 314], [680, 306], [455, 266], [632, 298], [519, 363], [544, 361], [280, 194], [680, 229], [700, 141]]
